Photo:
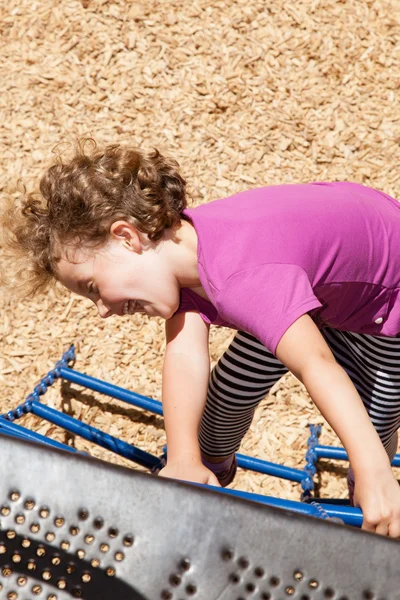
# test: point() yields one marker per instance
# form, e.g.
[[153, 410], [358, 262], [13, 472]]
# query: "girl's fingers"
[[366, 526], [382, 528], [394, 529], [212, 480]]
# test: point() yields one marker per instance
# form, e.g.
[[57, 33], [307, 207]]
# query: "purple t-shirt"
[[269, 255]]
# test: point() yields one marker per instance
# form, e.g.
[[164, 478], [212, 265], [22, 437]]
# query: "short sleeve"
[[266, 300], [190, 301]]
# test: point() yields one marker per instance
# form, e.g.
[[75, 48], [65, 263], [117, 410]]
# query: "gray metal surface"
[[75, 527]]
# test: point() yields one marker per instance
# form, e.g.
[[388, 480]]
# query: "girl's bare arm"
[[304, 351], [186, 373]]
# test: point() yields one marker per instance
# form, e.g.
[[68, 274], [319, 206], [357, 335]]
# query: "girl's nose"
[[103, 310]]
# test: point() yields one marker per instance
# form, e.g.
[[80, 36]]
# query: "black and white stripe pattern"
[[247, 371]]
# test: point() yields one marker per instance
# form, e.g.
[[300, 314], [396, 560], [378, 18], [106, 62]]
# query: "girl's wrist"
[[368, 458], [183, 455], [373, 471]]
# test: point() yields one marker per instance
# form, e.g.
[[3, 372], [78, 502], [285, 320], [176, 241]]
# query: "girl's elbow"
[[321, 361]]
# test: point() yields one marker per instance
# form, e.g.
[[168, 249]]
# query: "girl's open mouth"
[[131, 307]]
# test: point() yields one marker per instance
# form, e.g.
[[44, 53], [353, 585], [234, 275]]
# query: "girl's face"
[[128, 275]]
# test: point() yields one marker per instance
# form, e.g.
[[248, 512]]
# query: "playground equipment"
[[304, 477], [76, 527], [325, 509]]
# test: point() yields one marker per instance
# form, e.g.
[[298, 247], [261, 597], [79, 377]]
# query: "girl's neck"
[[185, 244]]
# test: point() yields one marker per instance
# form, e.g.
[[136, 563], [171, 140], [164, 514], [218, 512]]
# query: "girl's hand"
[[197, 473], [378, 496]]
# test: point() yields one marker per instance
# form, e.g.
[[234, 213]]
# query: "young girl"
[[308, 274]]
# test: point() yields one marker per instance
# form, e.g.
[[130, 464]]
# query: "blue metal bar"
[[269, 468], [334, 452], [330, 452], [109, 389], [95, 435], [246, 462], [26, 434], [15, 434], [348, 514]]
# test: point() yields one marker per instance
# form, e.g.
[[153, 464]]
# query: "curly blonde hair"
[[80, 198]]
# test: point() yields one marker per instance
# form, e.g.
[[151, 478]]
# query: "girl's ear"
[[127, 235]]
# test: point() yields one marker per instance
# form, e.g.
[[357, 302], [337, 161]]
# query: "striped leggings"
[[247, 371]]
